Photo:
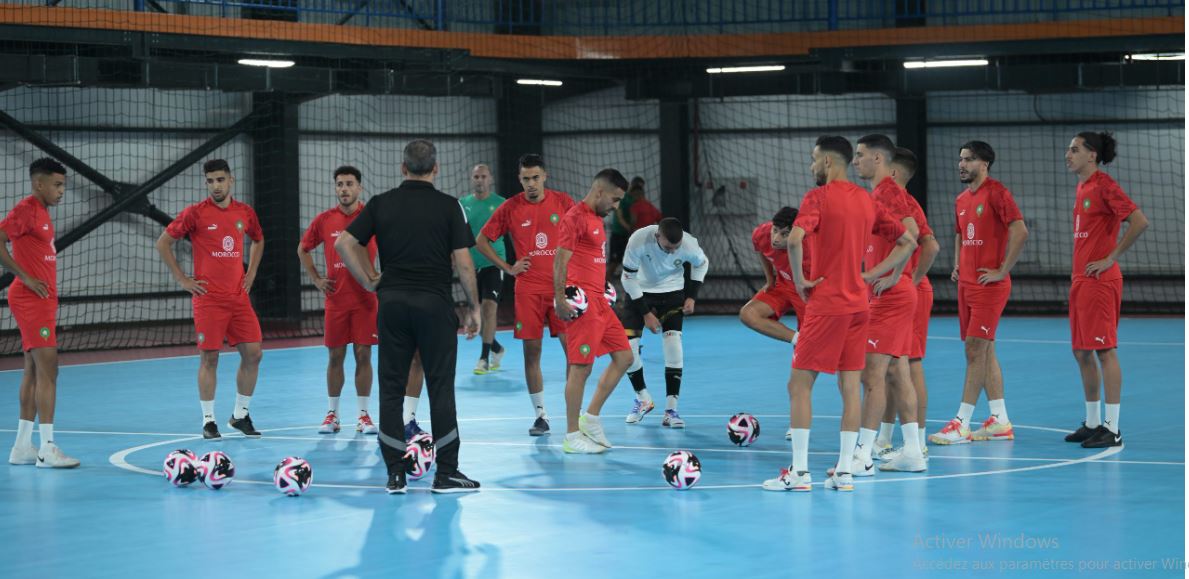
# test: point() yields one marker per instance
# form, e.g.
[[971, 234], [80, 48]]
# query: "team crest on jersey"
[[542, 240], [228, 243], [554, 219], [584, 349], [45, 333], [239, 225], [1085, 205], [979, 210], [969, 231]]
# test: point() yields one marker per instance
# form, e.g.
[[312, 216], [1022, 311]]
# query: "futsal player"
[[841, 216], [531, 217], [778, 296], [1096, 294], [216, 227], [659, 298], [33, 299], [480, 205], [582, 262], [904, 166], [350, 310], [990, 234]]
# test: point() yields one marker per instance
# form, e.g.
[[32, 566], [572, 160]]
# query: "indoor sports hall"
[[717, 107]]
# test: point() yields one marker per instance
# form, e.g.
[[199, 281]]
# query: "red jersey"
[[918, 214], [583, 232], [897, 203], [644, 214], [761, 240], [1098, 213], [841, 215], [324, 230], [534, 231], [981, 221], [31, 232], [217, 238]]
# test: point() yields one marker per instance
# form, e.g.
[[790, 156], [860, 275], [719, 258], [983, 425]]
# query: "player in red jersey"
[[1096, 294], [581, 261], [216, 227], [989, 236], [904, 166], [531, 218], [892, 308], [33, 299], [350, 310], [778, 296], [840, 215]]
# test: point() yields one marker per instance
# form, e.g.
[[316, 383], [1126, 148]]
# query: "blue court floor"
[[1033, 507]]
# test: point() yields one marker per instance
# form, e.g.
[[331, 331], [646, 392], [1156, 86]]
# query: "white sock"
[[670, 403], [1093, 418], [866, 441], [410, 410], [644, 396], [241, 406], [884, 438], [922, 438], [1112, 418], [538, 400], [24, 433], [999, 411], [912, 446], [847, 449], [800, 450], [208, 411], [332, 404], [47, 434], [965, 411], [362, 401]]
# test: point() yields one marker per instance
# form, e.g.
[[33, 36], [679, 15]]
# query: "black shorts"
[[666, 306], [618, 245], [491, 282]]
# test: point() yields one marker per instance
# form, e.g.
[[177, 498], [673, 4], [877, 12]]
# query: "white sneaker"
[[23, 455], [878, 448], [50, 456], [482, 367], [330, 424], [800, 482], [496, 358], [672, 419], [788, 434], [841, 482], [905, 463], [857, 468], [590, 426], [365, 425], [887, 453], [640, 409], [579, 443]]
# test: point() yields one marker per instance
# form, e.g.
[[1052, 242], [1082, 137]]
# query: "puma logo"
[[961, 213], [874, 344], [212, 227], [526, 223], [985, 329], [1100, 340]]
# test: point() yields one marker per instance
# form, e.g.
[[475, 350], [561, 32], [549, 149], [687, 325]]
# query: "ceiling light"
[[733, 69], [1158, 56], [266, 62], [945, 63], [538, 82]]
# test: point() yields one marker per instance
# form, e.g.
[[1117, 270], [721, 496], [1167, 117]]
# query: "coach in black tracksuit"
[[420, 233]]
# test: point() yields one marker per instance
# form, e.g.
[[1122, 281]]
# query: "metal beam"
[[41, 142]]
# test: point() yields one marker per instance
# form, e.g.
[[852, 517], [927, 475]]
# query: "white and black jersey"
[[647, 268]]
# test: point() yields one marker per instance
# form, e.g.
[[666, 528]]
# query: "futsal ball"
[[293, 476], [743, 429], [682, 470], [216, 470], [610, 293], [419, 455], [181, 468], [576, 299]]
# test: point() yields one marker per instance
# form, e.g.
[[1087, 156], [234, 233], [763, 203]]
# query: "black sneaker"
[[1081, 434], [396, 483], [454, 483], [244, 425], [540, 427], [210, 431], [1103, 438]]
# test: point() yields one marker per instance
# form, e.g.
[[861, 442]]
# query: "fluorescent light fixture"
[[1158, 56], [733, 69], [538, 82], [945, 63], [266, 62]]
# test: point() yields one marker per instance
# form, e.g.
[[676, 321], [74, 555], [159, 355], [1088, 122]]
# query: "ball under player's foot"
[[640, 409], [210, 431], [578, 443], [788, 480], [50, 456], [365, 425], [540, 427], [954, 432], [1080, 435], [994, 430], [841, 481], [330, 424], [672, 419], [244, 425], [592, 427], [23, 454]]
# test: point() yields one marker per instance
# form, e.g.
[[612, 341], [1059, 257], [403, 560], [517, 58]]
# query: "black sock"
[[486, 351], [495, 346], [672, 381], [637, 379]]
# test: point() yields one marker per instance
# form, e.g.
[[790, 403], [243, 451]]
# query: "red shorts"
[[230, 317], [889, 329], [782, 298], [594, 333], [980, 307], [920, 322], [533, 312], [1094, 307], [351, 326], [35, 316], [831, 343]]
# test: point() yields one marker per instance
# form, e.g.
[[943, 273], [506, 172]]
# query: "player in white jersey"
[[659, 297]]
